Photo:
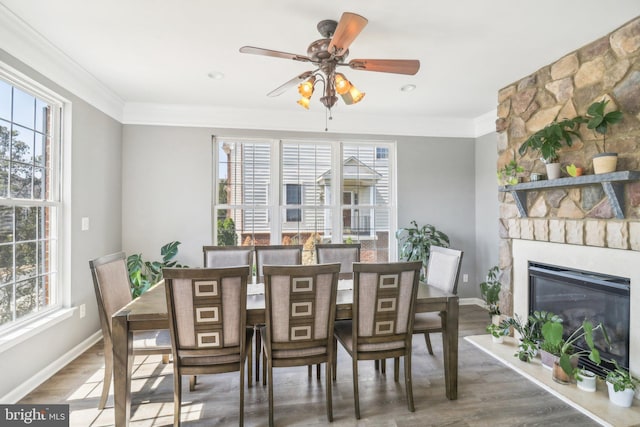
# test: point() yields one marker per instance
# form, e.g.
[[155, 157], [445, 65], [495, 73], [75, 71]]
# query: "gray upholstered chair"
[[383, 310], [276, 255], [300, 315], [344, 253], [113, 291], [207, 319], [232, 256], [227, 256], [443, 270]]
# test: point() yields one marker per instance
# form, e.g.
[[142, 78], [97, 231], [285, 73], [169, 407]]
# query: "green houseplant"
[[415, 242], [530, 331], [508, 174], [621, 386], [599, 121], [548, 140], [144, 274], [497, 332], [490, 291], [552, 333]]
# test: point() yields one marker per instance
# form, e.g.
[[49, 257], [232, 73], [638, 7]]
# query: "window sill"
[[37, 326]]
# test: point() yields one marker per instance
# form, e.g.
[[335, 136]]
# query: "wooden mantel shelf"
[[612, 184]]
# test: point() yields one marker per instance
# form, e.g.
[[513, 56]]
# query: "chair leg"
[[249, 365], [264, 368], [258, 339], [407, 381], [383, 366], [177, 397], [356, 397], [309, 370], [428, 341], [334, 369], [165, 359], [192, 383], [396, 368], [318, 371], [328, 386], [270, 371], [376, 364], [242, 389], [108, 373]]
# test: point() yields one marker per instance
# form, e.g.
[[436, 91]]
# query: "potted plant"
[[490, 293], [144, 274], [564, 370], [599, 121], [586, 380], [508, 174], [497, 332], [548, 140], [621, 386], [530, 331], [415, 243]]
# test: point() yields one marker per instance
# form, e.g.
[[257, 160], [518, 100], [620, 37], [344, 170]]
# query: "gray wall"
[[167, 188], [486, 206], [95, 185]]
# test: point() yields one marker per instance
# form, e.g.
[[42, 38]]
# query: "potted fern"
[[599, 121]]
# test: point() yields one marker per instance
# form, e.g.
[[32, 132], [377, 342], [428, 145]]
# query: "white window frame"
[[19, 330]]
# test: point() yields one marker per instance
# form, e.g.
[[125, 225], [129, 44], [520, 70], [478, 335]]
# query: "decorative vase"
[[605, 162], [495, 319], [622, 398], [559, 375], [553, 170], [586, 380]]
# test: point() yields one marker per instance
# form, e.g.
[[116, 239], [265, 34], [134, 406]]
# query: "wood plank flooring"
[[489, 394]]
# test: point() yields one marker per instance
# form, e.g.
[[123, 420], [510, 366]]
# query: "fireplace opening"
[[576, 295]]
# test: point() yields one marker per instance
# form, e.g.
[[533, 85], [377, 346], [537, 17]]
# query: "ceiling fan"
[[329, 53]]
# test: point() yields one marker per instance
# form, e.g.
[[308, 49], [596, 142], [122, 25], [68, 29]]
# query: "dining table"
[[149, 311]]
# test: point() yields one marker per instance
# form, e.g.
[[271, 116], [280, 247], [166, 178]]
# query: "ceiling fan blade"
[[397, 66], [274, 53], [347, 30], [294, 81]]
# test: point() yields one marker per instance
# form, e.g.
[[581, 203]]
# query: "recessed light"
[[216, 75], [408, 88]]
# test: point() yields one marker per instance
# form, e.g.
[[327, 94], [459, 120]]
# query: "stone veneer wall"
[[607, 68]]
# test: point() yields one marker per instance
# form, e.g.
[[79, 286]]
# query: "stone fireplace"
[[574, 226]]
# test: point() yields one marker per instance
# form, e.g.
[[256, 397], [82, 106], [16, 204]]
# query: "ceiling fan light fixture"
[[304, 102], [342, 84], [353, 96], [305, 88]]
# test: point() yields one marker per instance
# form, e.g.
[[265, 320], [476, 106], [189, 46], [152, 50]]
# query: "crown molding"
[[21, 41], [302, 120], [485, 123]]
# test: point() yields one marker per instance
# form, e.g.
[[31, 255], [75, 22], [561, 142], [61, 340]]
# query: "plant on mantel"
[[599, 122]]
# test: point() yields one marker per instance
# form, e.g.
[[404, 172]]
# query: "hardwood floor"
[[489, 394]]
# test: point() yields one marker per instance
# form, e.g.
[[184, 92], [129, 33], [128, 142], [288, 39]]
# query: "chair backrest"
[[443, 268], [111, 283], [276, 255], [207, 311], [227, 256], [383, 303], [300, 305], [344, 253]]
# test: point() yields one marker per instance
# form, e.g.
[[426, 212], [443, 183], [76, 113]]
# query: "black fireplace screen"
[[577, 295]]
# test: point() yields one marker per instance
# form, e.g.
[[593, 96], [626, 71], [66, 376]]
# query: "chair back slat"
[[443, 268], [344, 253]]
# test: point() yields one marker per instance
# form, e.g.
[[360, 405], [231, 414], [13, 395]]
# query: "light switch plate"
[[85, 223]]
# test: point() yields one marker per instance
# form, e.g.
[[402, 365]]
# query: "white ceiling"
[[152, 55]]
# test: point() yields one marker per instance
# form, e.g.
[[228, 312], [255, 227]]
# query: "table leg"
[[450, 348], [122, 363]]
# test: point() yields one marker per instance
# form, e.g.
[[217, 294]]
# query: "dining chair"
[[231, 256], [300, 311], [113, 291], [344, 253], [207, 320], [443, 270], [384, 297]]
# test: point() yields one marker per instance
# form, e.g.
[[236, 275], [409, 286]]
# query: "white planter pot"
[[605, 162], [498, 340], [553, 170], [587, 381], [495, 319], [622, 398]]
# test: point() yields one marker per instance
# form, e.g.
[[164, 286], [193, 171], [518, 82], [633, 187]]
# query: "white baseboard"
[[471, 301], [40, 377]]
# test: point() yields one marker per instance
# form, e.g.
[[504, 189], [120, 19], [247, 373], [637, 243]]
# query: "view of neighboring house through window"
[[29, 203], [304, 192]]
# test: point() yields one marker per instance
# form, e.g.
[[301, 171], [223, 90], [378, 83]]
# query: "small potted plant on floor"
[[497, 333], [549, 140], [490, 293], [565, 368], [599, 121], [621, 385]]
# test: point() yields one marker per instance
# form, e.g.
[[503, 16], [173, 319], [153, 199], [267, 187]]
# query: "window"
[[29, 201], [382, 153], [304, 192], [293, 195]]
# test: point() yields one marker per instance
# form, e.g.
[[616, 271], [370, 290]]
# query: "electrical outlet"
[[465, 278], [83, 310], [84, 224]]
